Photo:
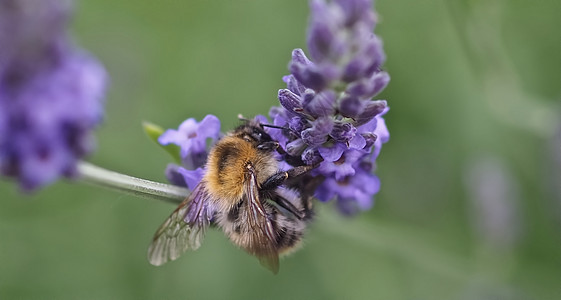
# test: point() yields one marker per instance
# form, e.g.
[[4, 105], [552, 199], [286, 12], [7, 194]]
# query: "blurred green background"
[[470, 205]]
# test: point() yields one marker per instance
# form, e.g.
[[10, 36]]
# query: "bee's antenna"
[[242, 118], [274, 126]]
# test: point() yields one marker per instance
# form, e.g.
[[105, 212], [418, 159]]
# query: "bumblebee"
[[260, 208]]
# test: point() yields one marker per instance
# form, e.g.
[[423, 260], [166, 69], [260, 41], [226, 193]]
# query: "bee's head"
[[252, 132]]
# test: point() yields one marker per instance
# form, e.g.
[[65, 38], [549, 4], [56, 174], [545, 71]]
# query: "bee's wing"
[[262, 235], [184, 229]]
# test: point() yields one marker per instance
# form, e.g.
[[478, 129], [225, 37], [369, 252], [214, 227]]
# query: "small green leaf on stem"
[[154, 132]]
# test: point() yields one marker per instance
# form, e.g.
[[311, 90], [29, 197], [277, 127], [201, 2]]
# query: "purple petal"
[[209, 127], [332, 153], [308, 95], [370, 139], [297, 124], [344, 166], [321, 105], [375, 51], [261, 119], [357, 142], [353, 155], [368, 88], [354, 70], [309, 75], [275, 133], [368, 182], [313, 137], [382, 130], [317, 134], [299, 57], [356, 10], [277, 112], [294, 85], [365, 165], [367, 60], [311, 156], [326, 191], [356, 193], [192, 177], [182, 177], [338, 171], [174, 176], [171, 136], [350, 106], [325, 41], [382, 134], [296, 147], [320, 39], [343, 132], [289, 100], [371, 109]]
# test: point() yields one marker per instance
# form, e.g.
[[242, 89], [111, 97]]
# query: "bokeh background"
[[470, 205]]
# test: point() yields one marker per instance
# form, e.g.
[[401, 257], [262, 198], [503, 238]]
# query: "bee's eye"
[[257, 134]]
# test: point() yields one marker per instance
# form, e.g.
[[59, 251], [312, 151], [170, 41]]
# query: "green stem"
[[131, 185]]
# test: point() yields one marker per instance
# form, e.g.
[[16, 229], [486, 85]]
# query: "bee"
[[260, 208]]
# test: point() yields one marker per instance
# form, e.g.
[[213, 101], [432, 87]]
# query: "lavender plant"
[[327, 106], [51, 94], [327, 112], [51, 98]]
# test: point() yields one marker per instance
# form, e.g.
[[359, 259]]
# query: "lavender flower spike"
[[50, 93], [328, 103]]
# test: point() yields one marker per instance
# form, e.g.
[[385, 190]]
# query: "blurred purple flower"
[[494, 201], [194, 139], [354, 193], [327, 106], [51, 93], [180, 176]]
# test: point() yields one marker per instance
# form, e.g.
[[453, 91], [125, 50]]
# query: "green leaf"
[[154, 132]]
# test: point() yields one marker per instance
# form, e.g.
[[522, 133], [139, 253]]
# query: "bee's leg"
[[297, 171], [274, 181], [291, 160], [307, 187], [268, 146], [282, 202], [279, 178]]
